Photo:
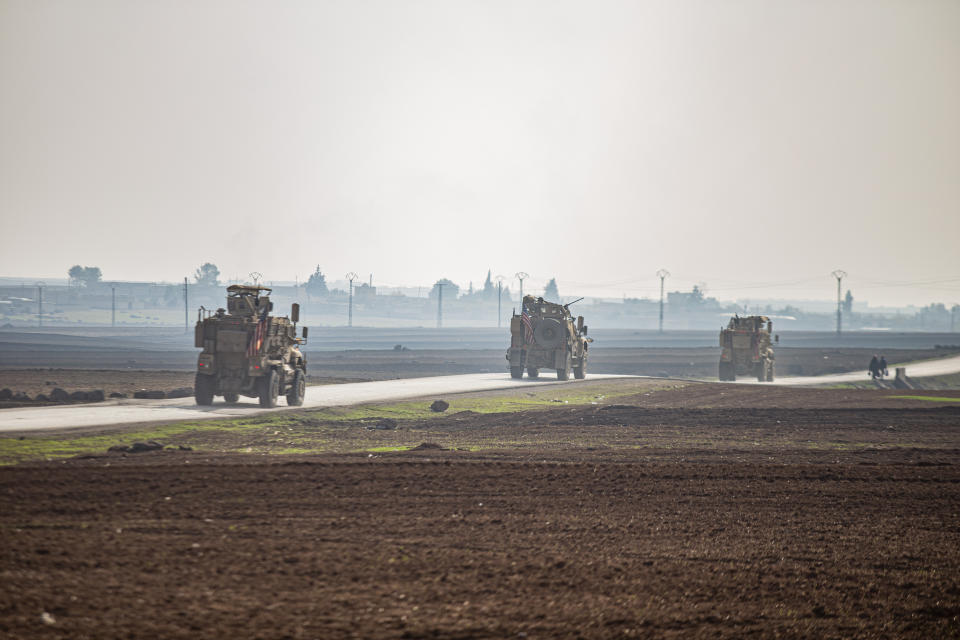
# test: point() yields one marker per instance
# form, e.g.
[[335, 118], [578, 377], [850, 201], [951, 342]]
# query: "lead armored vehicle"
[[545, 336], [745, 349], [248, 352]]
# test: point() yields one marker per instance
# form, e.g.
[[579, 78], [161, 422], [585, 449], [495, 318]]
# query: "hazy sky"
[[753, 146]]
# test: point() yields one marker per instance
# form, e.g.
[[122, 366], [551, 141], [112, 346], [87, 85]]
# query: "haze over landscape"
[[749, 426], [754, 148]]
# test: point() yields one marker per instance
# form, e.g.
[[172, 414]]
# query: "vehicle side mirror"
[[584, 330], [295, 312], [580, 323], [305, 332]]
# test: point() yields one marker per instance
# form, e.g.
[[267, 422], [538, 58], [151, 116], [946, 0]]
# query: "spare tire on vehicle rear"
[[548, 333]]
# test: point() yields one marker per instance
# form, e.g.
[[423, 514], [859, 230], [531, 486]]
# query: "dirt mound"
[[428, 446]]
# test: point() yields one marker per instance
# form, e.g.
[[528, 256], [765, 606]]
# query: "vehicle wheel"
[[564, 373], [580, 372], [203, 388], [297, 390], [726, 372], [516, 372], [770, 372], [762, 371], [533, 373], [231, 398], [268, 388]]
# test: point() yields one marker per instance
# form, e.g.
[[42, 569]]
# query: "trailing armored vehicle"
[[745, 349], [248, 352], [545, 336]]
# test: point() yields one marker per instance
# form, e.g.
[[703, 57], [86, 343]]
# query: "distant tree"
[[848, 302], [550, 292], [207, 275], [76, 274], [450, 290], [84, 276], [317, 284]]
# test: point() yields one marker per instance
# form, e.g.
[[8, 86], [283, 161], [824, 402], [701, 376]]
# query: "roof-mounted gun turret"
[[246, 300]]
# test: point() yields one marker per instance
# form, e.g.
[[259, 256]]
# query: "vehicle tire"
[[231, 398], [580, 371], [770, 372], [203, 388], [268, 388], [297, 389], [516, 372], [762, 371], [564, 373], [726, 372], [533, 372]]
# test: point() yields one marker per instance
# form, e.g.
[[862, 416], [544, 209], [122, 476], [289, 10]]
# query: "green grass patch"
[[312, 431], [535, 398], [15, 450], [928, 398]]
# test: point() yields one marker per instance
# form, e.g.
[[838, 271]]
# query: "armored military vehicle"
[[745, 348], [545, 336], [248, 352]]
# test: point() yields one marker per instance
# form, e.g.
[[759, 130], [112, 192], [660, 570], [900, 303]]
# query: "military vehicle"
[[746, 349], [248, 352], [545, 336]]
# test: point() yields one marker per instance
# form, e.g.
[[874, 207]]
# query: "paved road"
[[926, 369], [127, 411]]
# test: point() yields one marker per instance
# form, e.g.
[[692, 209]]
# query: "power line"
[[662, 274], [351, 277], [521, 276], [839, 275]]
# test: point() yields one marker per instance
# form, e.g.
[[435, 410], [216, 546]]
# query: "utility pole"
[[440, 305], [521, 276], [663, 274], [839, 275], [40, 304], [500, 280], [351, 277], [113, 306], [186, 308]]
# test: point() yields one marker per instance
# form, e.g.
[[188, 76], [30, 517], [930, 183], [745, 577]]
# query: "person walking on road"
[[874, 368], [883, 367]]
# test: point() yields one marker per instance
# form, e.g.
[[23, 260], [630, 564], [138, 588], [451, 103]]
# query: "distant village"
[[85, 297]]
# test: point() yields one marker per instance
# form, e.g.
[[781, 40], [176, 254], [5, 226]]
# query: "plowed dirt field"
[[681, 512]]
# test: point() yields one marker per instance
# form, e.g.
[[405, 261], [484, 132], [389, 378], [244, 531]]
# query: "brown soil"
[[694, 511]]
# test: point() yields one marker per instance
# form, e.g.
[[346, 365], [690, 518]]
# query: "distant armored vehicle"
[[545, 336], [246, 351], [746, 349]]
